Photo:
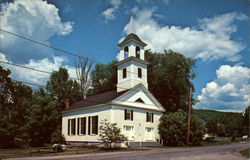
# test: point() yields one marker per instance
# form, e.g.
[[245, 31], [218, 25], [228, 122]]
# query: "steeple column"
[[131, 51]]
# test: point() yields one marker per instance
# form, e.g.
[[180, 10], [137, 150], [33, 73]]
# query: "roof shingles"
[[102, 98], [130, 37]]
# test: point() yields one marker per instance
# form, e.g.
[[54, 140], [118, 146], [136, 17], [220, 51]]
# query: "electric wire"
[[49, 46], [30, 68], [34, 84], [58, 49]]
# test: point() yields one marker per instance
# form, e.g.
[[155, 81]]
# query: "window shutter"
[[147, 117], [84, 126], [89, 126], [96, 124], [78, 125], [139, 73], [125, 114], [152, 117], [124, 73], [73, 126], [132, 115], [68, 126]]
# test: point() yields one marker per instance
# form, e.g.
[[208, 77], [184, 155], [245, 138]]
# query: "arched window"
[[137, 52], [126, 52]]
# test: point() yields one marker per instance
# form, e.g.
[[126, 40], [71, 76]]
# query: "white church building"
[[135, 110]]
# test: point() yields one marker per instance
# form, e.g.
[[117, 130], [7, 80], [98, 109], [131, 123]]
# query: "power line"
[[25, 67], [30, 83], [46, 45], [30, 68], [58, 49]]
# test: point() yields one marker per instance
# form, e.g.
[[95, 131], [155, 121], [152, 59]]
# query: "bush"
[[110, 133], [173, 129]]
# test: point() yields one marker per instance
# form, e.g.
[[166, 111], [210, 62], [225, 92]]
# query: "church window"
[[137, 51], [128, 114], [150, 117], [124, 73], [81, 126], [139, 73], [126, 52], [71, 126], [93, 125]]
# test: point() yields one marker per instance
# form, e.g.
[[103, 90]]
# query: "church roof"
[[102, 98], [131, 37]]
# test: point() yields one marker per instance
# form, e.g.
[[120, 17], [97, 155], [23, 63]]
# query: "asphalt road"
[[227, 152]]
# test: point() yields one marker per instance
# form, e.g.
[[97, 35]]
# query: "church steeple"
[[132, 69]]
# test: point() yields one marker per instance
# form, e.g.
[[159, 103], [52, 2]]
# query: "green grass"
[[215, 142], [246, 152], [18, 153]]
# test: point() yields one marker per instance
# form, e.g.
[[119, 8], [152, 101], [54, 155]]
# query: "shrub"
[[110, 133], [173, 129]]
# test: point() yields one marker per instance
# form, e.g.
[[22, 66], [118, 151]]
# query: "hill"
[[221, 123]]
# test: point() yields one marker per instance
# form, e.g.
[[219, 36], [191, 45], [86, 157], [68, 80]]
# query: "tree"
[[169, 76], [41, 118], [212, 126], [110, 133], [246, 120], [14, 98], [82, 72], [104, 77], [173, 129], [61, 87]]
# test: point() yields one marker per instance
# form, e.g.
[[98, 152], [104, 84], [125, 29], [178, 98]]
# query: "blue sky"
[[214, 33]]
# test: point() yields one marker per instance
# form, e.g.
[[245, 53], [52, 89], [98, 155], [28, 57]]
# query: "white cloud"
[[229, 91], [109, 12], [27, 75], [37, 20], [211, 41]]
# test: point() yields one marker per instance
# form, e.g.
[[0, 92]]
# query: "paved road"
[[227, 152]]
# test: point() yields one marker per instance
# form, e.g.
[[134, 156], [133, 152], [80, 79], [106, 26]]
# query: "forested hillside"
[[221, 123]]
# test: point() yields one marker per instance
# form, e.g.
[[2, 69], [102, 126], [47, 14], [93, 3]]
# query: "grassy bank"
[[35, 152], [246, 152]]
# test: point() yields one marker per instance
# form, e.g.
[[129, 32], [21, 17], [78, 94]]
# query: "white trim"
[[145, 92]]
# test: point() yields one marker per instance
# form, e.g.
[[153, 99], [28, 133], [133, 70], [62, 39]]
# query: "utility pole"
[[189, 115]]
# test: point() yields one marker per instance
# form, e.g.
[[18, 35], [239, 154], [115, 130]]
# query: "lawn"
[[246, 152], [215, 142], [18, 153]]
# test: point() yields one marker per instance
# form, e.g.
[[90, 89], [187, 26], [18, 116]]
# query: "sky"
[[213, 32]]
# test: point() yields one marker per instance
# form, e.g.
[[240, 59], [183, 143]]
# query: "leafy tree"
[[173, 129], [41, 118], [104, 78], [61, 87], [14, 98], [246, 120], [221, 123], [212, 126], [169, 76], [110, 133]]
